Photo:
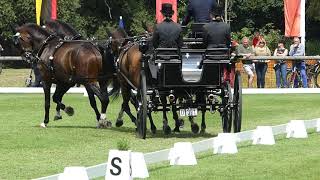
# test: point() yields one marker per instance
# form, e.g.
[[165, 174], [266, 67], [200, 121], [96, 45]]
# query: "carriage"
[[191, 77]]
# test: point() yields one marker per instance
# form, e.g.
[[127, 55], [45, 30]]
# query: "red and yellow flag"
[[46, 10], [159, 16], [294, 12]]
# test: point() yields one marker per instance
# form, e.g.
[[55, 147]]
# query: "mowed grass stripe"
[[27, 151]]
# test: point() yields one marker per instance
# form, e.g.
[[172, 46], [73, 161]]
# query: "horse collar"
[[45, 42]]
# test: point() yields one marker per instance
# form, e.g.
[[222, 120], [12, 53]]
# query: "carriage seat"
[[218, 53], [197, 30], [167, 54]]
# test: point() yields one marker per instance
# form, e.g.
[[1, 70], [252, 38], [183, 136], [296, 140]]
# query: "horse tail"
[[115, 91]]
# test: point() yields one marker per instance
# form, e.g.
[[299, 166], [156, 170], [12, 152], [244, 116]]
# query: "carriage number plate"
[[189, 112]]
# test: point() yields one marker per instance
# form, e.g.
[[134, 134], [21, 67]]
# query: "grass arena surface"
[[27, 151]]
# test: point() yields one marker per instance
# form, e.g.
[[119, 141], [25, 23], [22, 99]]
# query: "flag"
[[121, 23], [159, 15], [294, 12], [38, 10], [46, 10]]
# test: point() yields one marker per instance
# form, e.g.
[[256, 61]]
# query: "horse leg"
[[194, 126], [166, 127], [89, 88], [178, 121], [203, 113], [152, 126], [134, 101], [57, 98], [104, 99], [125, 107], [203, 120], [46, 89]]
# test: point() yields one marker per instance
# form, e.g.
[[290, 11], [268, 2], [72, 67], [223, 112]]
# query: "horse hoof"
[[69, 110], [202, 131], [195, 128], [154, 130], [104, 124], [167, 130], [56, 118], [119, 123], [176, 130], [181, 123], [43, 125]]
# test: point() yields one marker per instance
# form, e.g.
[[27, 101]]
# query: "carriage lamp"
[[211, 97], [15, 38]]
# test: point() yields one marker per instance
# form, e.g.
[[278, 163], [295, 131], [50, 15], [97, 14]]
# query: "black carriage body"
[[192, 78]]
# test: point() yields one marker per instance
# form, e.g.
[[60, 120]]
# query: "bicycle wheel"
[[317, 79], [290, 79]]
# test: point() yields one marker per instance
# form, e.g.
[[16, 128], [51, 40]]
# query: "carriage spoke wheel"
[[142, 109], [237, 102], [227, 111]]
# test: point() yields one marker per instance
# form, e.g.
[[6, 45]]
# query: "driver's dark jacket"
[[216, 34], [167, 35], [199, 10]]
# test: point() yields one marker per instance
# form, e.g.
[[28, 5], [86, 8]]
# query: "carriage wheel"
[[142, 109], [227, 112], [237, 101]]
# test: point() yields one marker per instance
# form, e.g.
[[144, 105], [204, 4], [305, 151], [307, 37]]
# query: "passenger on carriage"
[[217, 33], [199, 10], [168, 33]]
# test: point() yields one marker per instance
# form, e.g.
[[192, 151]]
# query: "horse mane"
[[119, 33], [67, 27], [34, 30]]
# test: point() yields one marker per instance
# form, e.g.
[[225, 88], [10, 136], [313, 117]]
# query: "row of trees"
[[95, 17]]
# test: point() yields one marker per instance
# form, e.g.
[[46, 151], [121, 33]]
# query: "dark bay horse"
[[129, 64], [66, 63], [67, 32]]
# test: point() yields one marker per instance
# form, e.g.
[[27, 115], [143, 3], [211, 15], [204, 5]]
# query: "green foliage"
[[312, 47], [312, 11], [7, 15], [123, 145]]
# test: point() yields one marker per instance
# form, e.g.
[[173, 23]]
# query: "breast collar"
[[43, 45]]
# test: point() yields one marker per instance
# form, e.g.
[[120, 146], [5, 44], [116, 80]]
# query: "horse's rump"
[[130, 64]]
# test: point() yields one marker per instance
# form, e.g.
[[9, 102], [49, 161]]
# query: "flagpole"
[[303, 22]]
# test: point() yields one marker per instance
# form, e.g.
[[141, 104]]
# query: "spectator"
[[280, 67], [261, 65], [297, 49], [256, 38], [246, 51], [1, 49]]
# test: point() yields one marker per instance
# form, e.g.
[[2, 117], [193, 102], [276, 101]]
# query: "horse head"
[[118, 39], [30, 37]]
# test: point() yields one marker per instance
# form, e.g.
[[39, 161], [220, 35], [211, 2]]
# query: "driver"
[[216, 33], [199, 10], [168, 33]]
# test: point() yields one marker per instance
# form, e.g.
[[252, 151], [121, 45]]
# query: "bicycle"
[[312, 72]]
